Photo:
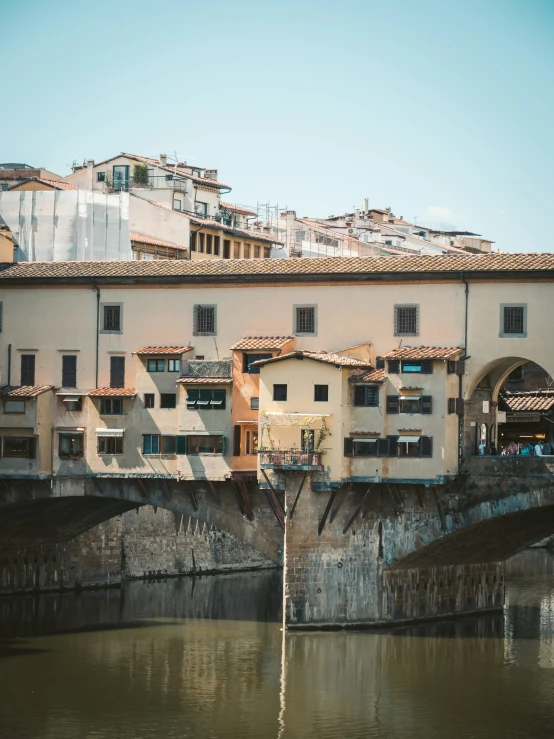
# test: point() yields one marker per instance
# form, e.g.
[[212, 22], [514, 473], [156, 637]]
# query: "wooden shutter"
[[427, 367], [348, 447], [394, 366], [393, 402], [451, 367], [426, 404], [452, 405], [359, 395], [117, 371], [27, 369], [236, 440], [383, 446], [426, 446], [460, 367], [460, 407], [181, 444], [393, 446], [69, 370]]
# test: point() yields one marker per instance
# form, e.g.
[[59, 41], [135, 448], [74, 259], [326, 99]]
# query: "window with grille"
[[514, 320], [111, 406], [366, 395], [156, 365], [69, 370], [112, 318], [406, 320], [27, 369], [305, 320], [204, 320]]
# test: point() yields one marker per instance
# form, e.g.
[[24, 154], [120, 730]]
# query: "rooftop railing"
[[289, 459]]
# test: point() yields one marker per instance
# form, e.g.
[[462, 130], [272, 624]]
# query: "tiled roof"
[[56, 184], [250, 235], [237, 209], [164, 350], [205, 380], [144, 239], [372, 375], [328, 357], [262, 342], [326, 268], [423, 352], [169, 168], [540, 400], [24, 391], [114, 392]]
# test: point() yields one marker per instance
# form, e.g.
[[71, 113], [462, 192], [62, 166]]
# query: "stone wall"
[[144, 543]]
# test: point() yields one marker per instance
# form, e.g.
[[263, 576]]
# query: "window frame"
[[28, 373], [16, 401], [365, 388], [284, 392], [117, 377], [105, 330], [70, 374], [102, 441], [301, 306], [401, 306], [158, 363], [196, 453], [160, 447], [323, 390], [166, 396], [110, 400], [246, 362], [503, 334], [31, 451], [149, 400], [66, 434], [197, 308]]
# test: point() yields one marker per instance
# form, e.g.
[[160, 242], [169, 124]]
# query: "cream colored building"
[[138, 368]]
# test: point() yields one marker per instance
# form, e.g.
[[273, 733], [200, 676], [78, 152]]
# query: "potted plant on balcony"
[[140, 175]]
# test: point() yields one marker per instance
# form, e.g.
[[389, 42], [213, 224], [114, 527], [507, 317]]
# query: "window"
[[409, 404], [204, 320], [206, 400], [209, 243], [149, 400], [173, 365], [155, 365], [111, 406], [27, 369], [100, 177], [156, 444], [247, 361], [112, 318], [20, 447], [110, 445], [305, 320], [236, 250], [226, 249], [308, 440], [513, 321], [321, 393], [201, 237], [516, 375], [168, 400], [279, 392], [251, 441], [217, 242], [425, 366], [246, 254], [117, 371], [193, 241], [364, 447], [73, 403], [366, 395], [177, 204], [406, 320], [408, 447], [255, 404], [206, 445], [69, 370], [71, 446], [4, 186], [14, 406], [391, 446], [256, 251], [267, 252], [201, 208], [168, 177]]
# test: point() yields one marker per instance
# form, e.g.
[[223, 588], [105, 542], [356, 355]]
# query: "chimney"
[[163, 160], [90, 174], [366, 204], [211, 174]]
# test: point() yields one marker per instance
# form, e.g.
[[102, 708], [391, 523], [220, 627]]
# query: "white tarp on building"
[[67, 225]]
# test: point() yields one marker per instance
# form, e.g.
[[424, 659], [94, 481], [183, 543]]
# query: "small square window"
[[321, 393], [255, 404], [305, 320], [279, 392], [406, 320], [156, 365], [168, 400], [149, 400]]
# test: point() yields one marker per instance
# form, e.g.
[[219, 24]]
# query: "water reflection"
[[164, 660]]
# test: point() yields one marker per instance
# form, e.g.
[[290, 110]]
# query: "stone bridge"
[[363, 554]]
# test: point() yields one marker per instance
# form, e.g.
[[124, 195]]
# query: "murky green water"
[[206, 658]]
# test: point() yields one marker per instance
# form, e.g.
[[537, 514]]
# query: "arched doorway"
[[509, 406]]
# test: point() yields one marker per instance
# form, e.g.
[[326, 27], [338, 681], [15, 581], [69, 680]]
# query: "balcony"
[[289, 459]]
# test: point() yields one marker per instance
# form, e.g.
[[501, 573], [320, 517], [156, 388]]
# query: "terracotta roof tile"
[[250, 235], [205, 380], [24, 391], [372, 375], [540, 400], [328, 357], [169, 168], [503, 265], [164, 350], [144, 239], [113, 392], [56, 184], [423, 352], [262, 342]]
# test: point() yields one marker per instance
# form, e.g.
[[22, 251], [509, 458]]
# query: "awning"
[[363, 441], [71, 429], [72, 392], [110, 432], [408, 439], [71, 399], [409, 397]]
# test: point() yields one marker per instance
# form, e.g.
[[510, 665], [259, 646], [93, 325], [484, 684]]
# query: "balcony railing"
[[289, 459]]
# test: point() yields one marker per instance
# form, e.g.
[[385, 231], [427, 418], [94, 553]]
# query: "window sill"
[[109, 331], [71, 458], [160, 456]]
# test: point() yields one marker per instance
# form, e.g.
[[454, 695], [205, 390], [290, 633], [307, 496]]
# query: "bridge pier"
[[339, 547]]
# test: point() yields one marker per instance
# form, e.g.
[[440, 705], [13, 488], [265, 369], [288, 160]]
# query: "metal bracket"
[[298, 494], [341, 502], [274, 502], [326, 512], [357, 511], [192, 496]]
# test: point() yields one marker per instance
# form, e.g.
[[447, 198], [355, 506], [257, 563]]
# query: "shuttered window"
[[426, 404], [366, 395], [117, 371], [69, 370], [426, 446], [27, 369], [393, 404], [206, 445]]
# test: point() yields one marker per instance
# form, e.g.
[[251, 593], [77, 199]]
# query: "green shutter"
[[181, 444]]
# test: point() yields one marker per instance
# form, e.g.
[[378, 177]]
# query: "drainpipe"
[[460, 388], [9, 364], [97, 290]]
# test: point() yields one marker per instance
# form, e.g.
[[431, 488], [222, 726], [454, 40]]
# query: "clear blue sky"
[[440, 108]]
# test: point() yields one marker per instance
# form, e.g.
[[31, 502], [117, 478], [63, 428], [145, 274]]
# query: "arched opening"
[[509, 410]]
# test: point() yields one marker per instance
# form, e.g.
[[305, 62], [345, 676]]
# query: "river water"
[[205, 658]]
